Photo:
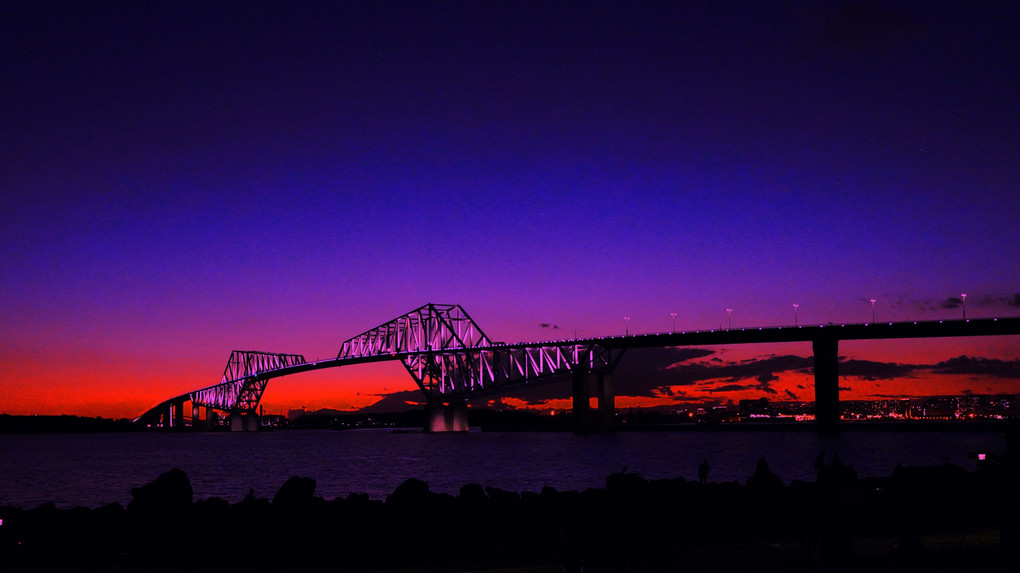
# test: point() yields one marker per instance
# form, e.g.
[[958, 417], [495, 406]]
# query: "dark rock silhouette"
[[295, 492], [410, 494], [763, 477], [168, 494]]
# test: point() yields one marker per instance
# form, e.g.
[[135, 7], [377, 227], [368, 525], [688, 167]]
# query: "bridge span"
[[451, 359]]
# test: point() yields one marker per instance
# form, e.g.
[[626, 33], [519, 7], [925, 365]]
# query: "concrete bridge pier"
[[244, 422], [197, 421], [603, 417], [178, 419], [446, 417], [826, 355]]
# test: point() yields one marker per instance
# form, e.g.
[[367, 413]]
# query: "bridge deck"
[[829, 334]]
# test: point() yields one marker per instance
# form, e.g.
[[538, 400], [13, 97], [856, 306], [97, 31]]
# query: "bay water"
[[95, 469]]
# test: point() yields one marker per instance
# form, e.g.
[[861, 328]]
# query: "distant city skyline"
[[188, 179]]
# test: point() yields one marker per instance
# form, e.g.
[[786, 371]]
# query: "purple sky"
[[180, 180]]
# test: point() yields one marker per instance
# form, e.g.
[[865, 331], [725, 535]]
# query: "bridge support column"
[[197, 423], [603, 418], [247, 422], [440, 417], [178, 421], [826, 351]]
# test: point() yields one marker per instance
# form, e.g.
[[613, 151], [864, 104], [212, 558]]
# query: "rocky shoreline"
[[941, 518]]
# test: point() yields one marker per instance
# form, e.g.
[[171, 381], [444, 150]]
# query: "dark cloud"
[[730, 388], [762, 370], [845, 388], [764, 381], [989, 301], [789, 394], [396, 402], [870, 370], [547, 325], [998, 301], [979, 366]]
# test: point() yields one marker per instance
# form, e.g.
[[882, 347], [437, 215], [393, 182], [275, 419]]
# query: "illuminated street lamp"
[[673, 314], [795, 307], [729, 318], [626, 330], [872, 310], [964, 297]]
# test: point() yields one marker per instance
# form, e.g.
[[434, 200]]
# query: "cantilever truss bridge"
[[442, 348]]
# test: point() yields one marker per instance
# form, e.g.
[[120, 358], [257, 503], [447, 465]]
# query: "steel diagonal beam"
[[496, 369], [244, 380], [432, 327]]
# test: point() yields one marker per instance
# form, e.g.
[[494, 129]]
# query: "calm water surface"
[[95, 469]]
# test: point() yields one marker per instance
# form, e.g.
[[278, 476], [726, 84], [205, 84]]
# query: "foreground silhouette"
[[932, 518]]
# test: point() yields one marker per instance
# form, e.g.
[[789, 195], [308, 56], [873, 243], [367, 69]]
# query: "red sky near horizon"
[[113, 390], [183, 180]]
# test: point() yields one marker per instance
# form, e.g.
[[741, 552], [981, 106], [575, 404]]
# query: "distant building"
[[755, 409]]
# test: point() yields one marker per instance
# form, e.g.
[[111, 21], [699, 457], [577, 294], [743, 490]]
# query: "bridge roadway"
[[823, 337]]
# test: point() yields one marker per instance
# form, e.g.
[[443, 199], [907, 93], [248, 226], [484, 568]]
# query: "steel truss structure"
[[450, 357], [244, 380], [443, 349]]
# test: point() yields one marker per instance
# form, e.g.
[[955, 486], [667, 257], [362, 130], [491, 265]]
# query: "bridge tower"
[[451, 360]]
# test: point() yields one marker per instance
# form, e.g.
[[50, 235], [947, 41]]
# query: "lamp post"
[[795, 307], [729, 318], [964, 297], [673, 314], [626, 330], [872, 310]]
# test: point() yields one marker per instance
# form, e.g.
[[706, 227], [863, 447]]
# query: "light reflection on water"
[[94, 469]]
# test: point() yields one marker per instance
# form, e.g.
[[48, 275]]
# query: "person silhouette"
[[703, 472]]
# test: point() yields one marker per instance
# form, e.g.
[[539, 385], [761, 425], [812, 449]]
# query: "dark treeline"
[[62, 424], [838, 522]]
